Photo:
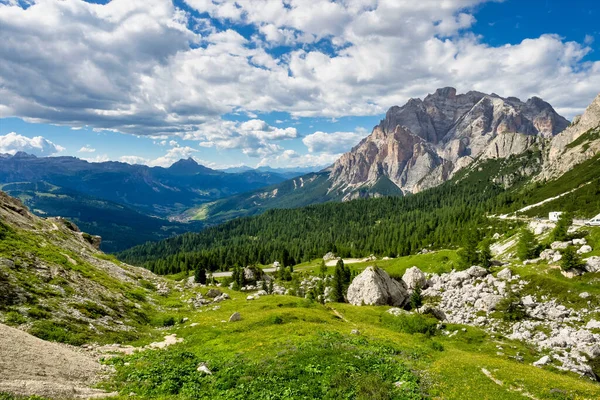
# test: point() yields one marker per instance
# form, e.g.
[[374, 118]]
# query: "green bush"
[[38, 313], [570, 259], [412, 323], [14, 318], [58, 332], [169, 321], [512, 308], [90, 309]]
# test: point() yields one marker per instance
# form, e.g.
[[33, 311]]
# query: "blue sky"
[[280, 83]]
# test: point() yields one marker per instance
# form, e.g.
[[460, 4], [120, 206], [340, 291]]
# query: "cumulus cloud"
[[12, 143], [337, 142], [148, 68], [87, 149]]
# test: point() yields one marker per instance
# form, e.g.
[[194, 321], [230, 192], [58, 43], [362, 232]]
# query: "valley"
[[463, 290]]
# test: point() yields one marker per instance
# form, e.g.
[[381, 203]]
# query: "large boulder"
[[414, 277], [375, 287], [560, 245], [592, 264], [586, 248]]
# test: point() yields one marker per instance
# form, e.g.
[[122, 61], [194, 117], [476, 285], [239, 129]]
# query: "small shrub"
[[511, 308], [416, 299], [437, 346], [90, 309], [38, 313], [14, 318], [412, 323], [169, 321], [57, 332]]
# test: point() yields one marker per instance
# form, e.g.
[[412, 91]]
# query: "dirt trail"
[[31, 366]]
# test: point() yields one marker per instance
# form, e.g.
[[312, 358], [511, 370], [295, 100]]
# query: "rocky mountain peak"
[[424, 142]]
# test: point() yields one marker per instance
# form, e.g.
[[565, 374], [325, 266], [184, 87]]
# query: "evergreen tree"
[[338, 282], [561, 232], [468, 254], [570, 259], [528, 246], [416, 299], [264, 286], [323, 269], [200, 275], [238, 278], [270, 291], [485, 254]]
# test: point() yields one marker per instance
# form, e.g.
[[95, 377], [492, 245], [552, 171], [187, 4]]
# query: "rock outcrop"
[[375, 287], [576, 144], [424, 142]]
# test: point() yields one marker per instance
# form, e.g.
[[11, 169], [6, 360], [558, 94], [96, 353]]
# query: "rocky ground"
[[33, 366]]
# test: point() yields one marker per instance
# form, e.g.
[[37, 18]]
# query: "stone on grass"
[[505, 274], [374, 286], [542, 361], [212, 293], [235, 317], [592, 264], [204, 369], [585, 249]]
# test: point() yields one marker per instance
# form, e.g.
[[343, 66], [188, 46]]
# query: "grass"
[[434, 262], [287, 347]]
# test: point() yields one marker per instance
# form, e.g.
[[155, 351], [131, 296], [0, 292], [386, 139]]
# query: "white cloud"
[[12, 143], [98, 159], [139, 69], [134, 160], [336, 142], [291, 159], [87, 149]]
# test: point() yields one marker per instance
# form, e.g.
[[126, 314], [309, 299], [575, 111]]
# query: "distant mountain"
[[426, 143], [288, 173], [152, 190], [125, 204]]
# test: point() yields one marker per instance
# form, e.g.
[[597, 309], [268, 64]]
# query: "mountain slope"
[[156, 191], [58, 286], [119, 226], [417, 146]]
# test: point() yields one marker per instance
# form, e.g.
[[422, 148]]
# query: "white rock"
[[593, 324], [395, 311], [579, 242], [374, 286], [585, 249], [557, 257], [542, 361], [477, 272], [235, 317], [592, 264], [560, 245], [488, 302], [505, 274], [414, 277], [204, 369], [250, 297], [584, 295]]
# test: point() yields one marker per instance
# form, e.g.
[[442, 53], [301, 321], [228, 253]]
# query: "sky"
[[283, 83]]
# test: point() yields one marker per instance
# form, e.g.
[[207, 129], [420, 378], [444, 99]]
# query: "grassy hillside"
[[120, 227]]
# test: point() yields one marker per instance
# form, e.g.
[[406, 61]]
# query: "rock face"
[[375, 287], [577, 143], [424, 142]]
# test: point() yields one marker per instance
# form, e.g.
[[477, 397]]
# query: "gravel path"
[[31, 366]]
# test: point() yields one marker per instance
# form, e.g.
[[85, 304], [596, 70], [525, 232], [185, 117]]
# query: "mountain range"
[[424, 144], [125, 204]]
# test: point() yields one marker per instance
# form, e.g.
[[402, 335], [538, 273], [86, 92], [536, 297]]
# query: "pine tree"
[[561, 231], [570, 259], [527, 248], [468, 254], [323, 269], [200, 275], [264, 286], [416, 299], [338, 282], [485, 254], [270, 291]]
